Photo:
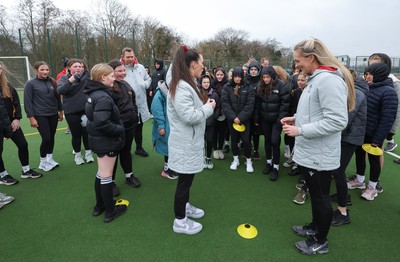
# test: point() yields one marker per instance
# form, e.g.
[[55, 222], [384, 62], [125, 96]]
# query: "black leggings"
[[125, 155], [318, 183], [374, 163], [255, 135], [272, 140], [209, 139], [78, 133], [139, 134], [47, 130], [221, 128], [244, 137], [23, 153], [182, 194], [347, 151], [289, 140]]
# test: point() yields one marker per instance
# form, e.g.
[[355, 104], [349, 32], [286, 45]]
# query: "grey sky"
[[347, 27]]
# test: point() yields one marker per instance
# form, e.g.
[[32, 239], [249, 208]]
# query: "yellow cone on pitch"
[[247, 231], [122, 202], [239, 127], [373, 150]]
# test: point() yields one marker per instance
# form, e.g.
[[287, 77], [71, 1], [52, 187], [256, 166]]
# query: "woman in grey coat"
[[187, 113]]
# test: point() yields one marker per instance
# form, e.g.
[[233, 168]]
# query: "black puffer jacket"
[[5, 124], [212, 94], [105, 128], [273, 107], [124, 99], [12, 105], [355, 131], [158, 74], [240, 106], [254, 81]]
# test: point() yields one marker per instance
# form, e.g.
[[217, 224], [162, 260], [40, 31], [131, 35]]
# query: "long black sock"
[[107, 194], [97, 190]]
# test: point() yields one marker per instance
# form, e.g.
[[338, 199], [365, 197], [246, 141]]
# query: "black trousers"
[[272, 141], [347, 151], [139, 134], [221, 128], [23, 153], [209, 134], [182, 194], [47, 130], [374, 163], [78, 132], [255, 135], [244, 137], [318, 183], [125, 155]]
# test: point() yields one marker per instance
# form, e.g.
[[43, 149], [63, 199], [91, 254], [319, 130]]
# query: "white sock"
[[361, 179], [276, 167], [3, 174], [26, 168], [128, 175], [78, 154], [248, 160], [227, 143], [180, 221], [49, 156], [269, 161], [372, 184], [344, 214], [391, 141], [43, 159], [236, 159], [87, 152]]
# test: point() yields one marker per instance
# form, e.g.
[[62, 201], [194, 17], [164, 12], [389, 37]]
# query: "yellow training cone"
[[122, 202], [247, 231], [239, 127], [373, 150]]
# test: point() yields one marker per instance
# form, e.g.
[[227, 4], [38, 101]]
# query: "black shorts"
[[109, 154]]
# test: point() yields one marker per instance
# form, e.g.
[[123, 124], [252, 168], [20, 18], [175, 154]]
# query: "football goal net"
[[19, 70]]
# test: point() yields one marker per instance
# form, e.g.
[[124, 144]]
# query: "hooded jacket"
[[124, 99], [321, 117], [104, 126], [355, 131], [382, 104], [139, 80], [73, 97], [158, 74], [254, 80], [160, 119]]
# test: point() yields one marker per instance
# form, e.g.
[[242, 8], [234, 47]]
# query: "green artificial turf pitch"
[[50, 218]]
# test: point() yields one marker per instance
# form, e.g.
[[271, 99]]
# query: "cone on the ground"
[[122, 202], [247, 231]]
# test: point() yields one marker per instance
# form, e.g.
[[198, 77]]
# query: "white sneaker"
[[186, 226], [194, 212], [234, 165], [216, 154], [221, 154], [4, 199], [89, 157], [78, 159], [52, 163], [249, 167], [369, 193], [45, 166]]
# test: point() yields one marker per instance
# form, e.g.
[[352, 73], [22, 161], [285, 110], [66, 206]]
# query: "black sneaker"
[[275, 174], [301, 180], [348, 201], [350, 178], [31, 174], [379, 187], [132, 181], [118, 211], [226, 149], [141, 152], [294, 172], [8, 180], [256, 155], [97, 211], [115, 190], [267, 169], [338, 219], [397, 161], [312, 247], [304, 231]]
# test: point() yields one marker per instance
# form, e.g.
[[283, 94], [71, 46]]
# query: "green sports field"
[[50, 218]]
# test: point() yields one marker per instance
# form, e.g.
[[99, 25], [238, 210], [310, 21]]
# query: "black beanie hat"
[[64, 61], [269, 70], [379, 71], [237, 71], [385, 59]]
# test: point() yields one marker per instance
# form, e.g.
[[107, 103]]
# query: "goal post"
[[19, 70]]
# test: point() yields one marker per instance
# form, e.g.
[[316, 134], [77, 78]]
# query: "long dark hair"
[[263, 88], [180, 70]]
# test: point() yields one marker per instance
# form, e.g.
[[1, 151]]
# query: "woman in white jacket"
[[187, 112], [322, 114]]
